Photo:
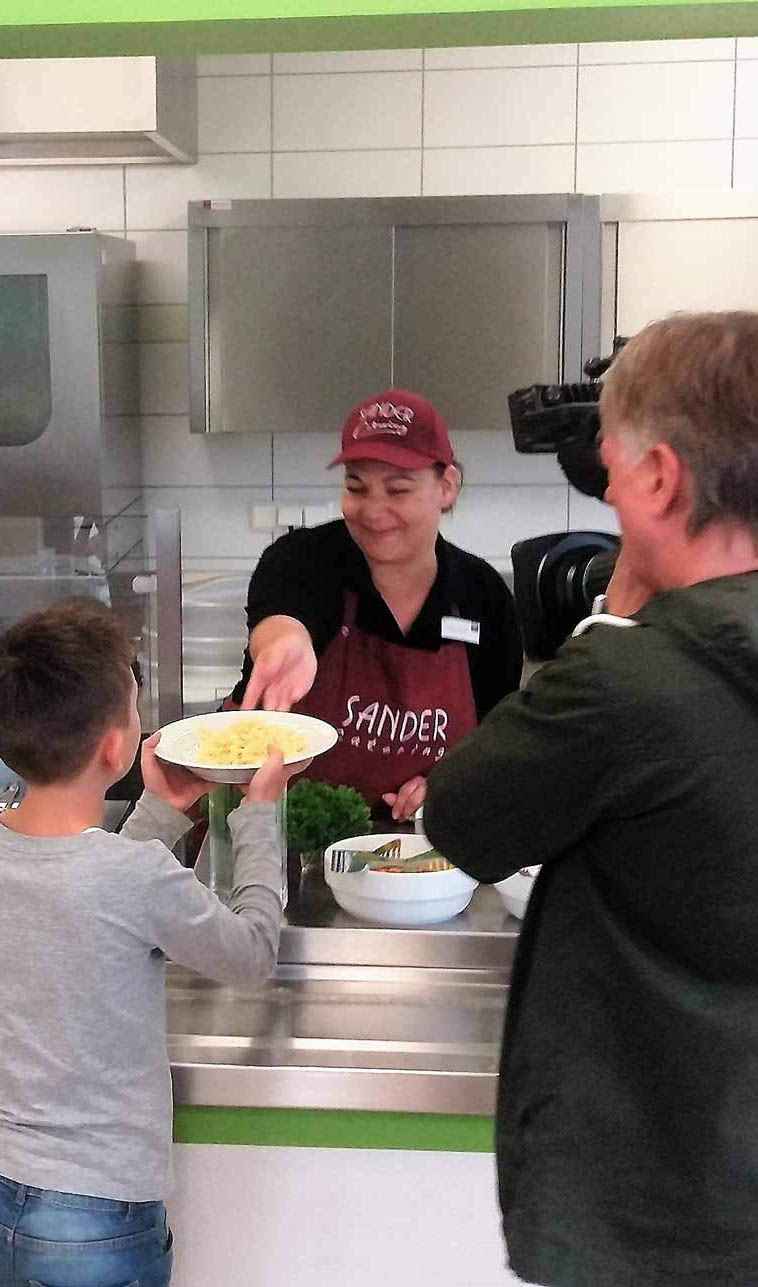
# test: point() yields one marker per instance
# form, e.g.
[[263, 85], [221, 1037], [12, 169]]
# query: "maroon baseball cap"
[[397, 427]]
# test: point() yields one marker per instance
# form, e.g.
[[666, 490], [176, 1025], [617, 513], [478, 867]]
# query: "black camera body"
[[557, 576]]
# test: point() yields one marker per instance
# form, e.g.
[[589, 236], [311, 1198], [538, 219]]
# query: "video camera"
[[557, 576]]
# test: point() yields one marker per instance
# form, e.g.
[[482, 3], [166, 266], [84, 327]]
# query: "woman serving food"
[[375, 622]]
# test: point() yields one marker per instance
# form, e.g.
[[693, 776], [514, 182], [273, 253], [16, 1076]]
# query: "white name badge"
[[461, 630]]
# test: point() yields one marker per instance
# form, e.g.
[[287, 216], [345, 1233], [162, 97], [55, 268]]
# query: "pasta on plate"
[[247, 743]]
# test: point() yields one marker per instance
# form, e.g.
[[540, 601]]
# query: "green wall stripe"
[[44, 12], [533, 25], [329, 1128]]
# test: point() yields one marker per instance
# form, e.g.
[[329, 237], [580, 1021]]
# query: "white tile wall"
[[234, 65], [157, 196], [234, 114], [592, 515], [172, 456], [347, 110], [656, 51], [504, 105], [746, 102], [501, 56], [653, 167], [632, 103], [487, 520], [302, 458], [348, 174], [161, 266], [746, 163], [488, 457], [357, 60], [164, 377], [216, 521], [603, 116], [56, 198], [468, 171], [297, 496]]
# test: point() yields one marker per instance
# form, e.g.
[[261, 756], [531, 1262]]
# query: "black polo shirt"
[[305, 575]]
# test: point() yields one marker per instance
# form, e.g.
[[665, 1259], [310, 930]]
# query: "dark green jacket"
[[628, 1109]]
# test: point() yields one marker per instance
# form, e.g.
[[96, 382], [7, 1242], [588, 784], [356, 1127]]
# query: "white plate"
[[515, 890], [179, 741], [398, 898]]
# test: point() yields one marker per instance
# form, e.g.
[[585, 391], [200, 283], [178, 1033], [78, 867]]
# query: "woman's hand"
[[627, 590], [272, 777], [177, 786], [284, 665], [407, 800]]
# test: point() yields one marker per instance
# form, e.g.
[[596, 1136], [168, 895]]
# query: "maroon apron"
[[397, 709]]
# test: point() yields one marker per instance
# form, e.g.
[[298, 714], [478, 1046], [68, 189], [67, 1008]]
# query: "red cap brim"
[[390, 453]]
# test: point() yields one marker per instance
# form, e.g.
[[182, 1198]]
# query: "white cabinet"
[[664, 253], [75, 110]]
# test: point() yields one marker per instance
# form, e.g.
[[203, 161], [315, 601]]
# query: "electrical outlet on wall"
[[289, 516], [314, 515], [263, 517]]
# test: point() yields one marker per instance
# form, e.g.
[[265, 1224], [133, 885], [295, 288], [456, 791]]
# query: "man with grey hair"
[[628, 768]]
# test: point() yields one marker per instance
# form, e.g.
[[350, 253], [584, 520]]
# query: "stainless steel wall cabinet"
[[300, 308]]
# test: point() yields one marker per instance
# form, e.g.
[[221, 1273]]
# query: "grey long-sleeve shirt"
[[86, 922]]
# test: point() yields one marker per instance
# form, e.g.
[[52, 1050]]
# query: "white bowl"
[[179, 741], [516, 889], [398, 898]]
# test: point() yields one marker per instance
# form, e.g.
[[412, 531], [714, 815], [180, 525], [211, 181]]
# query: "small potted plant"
[[318, 814]]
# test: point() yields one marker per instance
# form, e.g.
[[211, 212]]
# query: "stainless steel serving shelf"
[[365, 1018]]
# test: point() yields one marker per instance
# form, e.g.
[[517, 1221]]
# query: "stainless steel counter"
[[317, 931], [356, 1017]]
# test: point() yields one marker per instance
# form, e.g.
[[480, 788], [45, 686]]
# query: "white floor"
[[285, 1217]]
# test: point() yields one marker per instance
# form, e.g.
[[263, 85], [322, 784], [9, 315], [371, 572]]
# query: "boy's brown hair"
[[65, 679]]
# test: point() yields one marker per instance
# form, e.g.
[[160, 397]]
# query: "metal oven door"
[[50, 382]]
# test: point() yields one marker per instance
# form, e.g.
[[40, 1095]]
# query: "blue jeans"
[[50, 1239]]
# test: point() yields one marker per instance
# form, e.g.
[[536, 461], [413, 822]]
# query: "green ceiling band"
[[329, 1128], [461, 23]]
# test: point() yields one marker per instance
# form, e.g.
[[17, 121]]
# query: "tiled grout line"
[[734, 117], [465, 147], [423, 105], [414, 71], [271, 114], [439, 71], [576, 122]]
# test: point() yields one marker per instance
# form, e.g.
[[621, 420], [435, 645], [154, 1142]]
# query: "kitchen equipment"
[[179, 741], [555, 580], [397, 898], [515, 890], [69, 377]]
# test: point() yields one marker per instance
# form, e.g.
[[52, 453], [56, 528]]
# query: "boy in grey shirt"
[[86, 922]]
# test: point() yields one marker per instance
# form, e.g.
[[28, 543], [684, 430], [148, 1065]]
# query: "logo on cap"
[[383, 418]]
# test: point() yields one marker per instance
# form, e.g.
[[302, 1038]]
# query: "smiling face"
[[393, 514]]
